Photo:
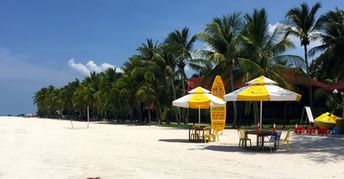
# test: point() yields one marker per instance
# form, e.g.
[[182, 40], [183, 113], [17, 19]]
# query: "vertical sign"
[[218, 114]]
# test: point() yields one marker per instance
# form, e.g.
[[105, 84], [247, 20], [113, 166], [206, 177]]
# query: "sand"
[[45, 148]]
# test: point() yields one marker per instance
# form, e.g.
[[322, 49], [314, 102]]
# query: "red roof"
[[297, 77], [194, 82], [339, 85], [293, 75], [319, 84]]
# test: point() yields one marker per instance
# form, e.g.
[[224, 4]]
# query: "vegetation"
[[304, 25], [237, 46]]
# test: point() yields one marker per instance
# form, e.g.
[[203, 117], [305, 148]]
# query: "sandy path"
[[43, 148]]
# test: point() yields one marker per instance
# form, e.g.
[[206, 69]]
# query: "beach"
[[46, 148]]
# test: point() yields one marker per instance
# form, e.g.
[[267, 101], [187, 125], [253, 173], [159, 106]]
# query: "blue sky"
[[38, 37]]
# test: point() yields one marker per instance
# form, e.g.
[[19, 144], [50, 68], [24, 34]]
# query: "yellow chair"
[[286, 140], [216, 135], [208, 136], [242, 137], [194, 135]]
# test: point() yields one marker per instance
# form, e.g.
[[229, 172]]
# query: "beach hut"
[[262, 89], [198, 98]]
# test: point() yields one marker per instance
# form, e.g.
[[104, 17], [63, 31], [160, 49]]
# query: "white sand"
[[41, 148]]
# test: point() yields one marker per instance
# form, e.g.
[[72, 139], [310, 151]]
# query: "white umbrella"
[[198, 98], [262, 89]]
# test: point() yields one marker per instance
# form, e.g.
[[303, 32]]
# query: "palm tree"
[[304, 25], [330, 64], [66, 96], [128, 85], [263, 52], [156, 77], [39, 99], [167, 53], [111, 75], [182, 44], [222, 36]]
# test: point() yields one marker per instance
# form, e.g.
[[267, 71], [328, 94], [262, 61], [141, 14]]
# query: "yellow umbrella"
[[198, 98], [262, 89]]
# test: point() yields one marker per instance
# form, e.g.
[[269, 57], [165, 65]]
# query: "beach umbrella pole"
[[261, 115], [199, 115]]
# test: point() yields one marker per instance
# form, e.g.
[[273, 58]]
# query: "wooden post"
[[71, 122]]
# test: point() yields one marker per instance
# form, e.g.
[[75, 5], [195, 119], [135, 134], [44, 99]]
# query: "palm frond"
[[249, 66], [290, 60]]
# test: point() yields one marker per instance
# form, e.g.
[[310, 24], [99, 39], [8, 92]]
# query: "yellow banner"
[[218, 114]]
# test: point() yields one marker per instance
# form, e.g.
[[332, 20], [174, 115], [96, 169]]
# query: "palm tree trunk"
[[309, 79], [160, 113], [176, 110], [80, 114], [120, 109], [255, 112], [182, 81], [235, 114], [149, 116], [139, 112], [157, 116], [186, 120]]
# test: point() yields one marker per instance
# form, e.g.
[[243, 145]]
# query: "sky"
[[53, 42]]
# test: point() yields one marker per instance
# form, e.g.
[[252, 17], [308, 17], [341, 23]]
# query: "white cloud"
[[90, 66], [79, 67], [272, 27]]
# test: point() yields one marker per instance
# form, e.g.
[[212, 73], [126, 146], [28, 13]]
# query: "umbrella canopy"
[[262, 89], [199, 90], [198, 98]]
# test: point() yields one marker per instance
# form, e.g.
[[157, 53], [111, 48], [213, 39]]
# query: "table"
[[260, 134], [198, 132]]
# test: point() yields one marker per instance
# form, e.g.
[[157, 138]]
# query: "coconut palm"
[[39, 99], [263, 51], [167, 53], [330, 64], [304, 25], [182, 45], [66, 96], [222, 37], [156, 77], [48, 101]]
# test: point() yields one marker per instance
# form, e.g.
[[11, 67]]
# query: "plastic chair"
[[299, 130], [322, 131], [335, 132], [242, 137], [208, 136], [216, 134], [310, 130], [274, 139], [194, 135], [286, 140]]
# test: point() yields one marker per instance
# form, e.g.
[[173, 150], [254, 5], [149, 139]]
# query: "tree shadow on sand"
[[176, 140], [234, 148], [319, 148]]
